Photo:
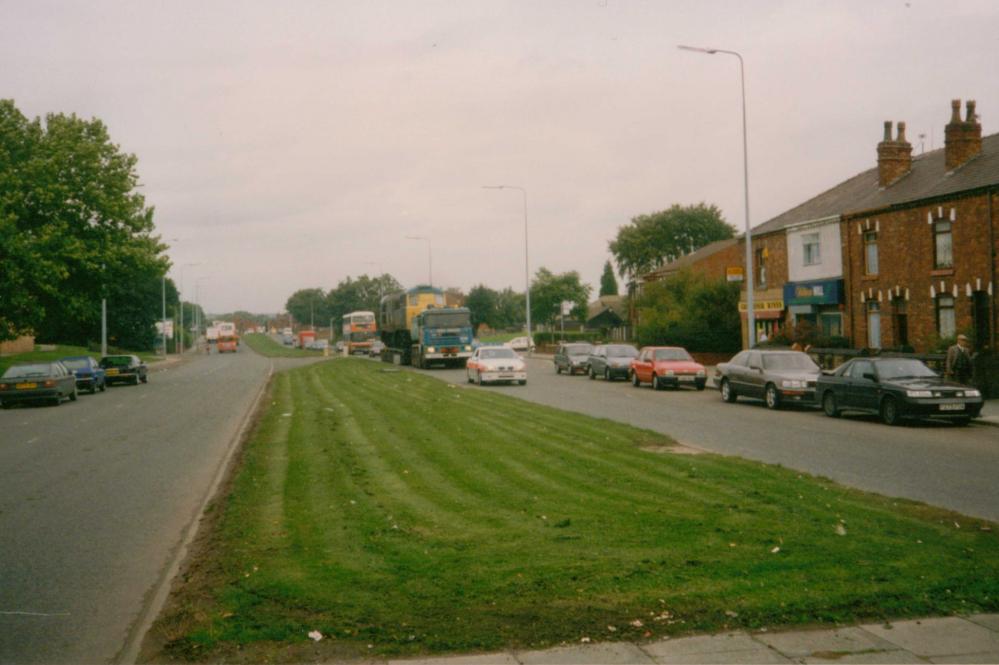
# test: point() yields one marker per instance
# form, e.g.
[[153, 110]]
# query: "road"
[[940, 464], [97, 495]]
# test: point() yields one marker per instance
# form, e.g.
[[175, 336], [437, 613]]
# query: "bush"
[[591, 336], [691, 311]]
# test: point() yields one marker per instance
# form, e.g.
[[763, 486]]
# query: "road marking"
[[34, 614], [32, 440]]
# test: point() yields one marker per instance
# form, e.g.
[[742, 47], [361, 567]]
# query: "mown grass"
[[500, 337], [397, 514], [265, 345], [64, 350]]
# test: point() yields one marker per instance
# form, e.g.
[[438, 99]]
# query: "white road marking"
[[32, 440], [35, 614]]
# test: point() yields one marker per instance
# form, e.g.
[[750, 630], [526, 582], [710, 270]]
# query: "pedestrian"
[[958, 363]]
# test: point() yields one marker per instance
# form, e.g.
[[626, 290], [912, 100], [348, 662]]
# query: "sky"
[[290, 145]]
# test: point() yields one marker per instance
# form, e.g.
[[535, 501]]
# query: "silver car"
[[611, 361], [776, 377]]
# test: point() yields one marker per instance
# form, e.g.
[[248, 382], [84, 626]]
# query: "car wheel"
[[55, 401], [634, 379], [558, 368], [962, 422], [700, 386], [727, 393], [478, 378], [593, 374], [145, 378], [772, 397], [889, 411], [135, 380], [656, 385], [469, 377], [93, 387], [72, 395], [104, 386], [523, 382], [829, 404]]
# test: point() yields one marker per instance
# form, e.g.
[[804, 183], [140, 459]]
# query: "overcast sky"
[[289, 145]]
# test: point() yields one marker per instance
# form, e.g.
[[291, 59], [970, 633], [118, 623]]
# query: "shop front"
[[819, 302], [768, 314]]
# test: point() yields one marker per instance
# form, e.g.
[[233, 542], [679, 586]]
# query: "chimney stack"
[[894, 157], [962, 140]]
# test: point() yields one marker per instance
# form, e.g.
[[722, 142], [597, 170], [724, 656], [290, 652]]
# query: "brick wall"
[[906, 268], [20, 345]]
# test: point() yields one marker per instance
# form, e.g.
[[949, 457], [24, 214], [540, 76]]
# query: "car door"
[[644, 366], [752, 375], [599, 360], [560, 357], [862, 391], [472, 364]]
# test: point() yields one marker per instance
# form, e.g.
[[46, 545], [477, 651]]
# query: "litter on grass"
[[315, 635]]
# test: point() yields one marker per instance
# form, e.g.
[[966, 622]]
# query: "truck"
[[306, 338], [211, 334], [417, 328]]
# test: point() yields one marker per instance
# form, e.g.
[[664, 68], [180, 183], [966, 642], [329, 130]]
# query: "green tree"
[[691, 311], [511, 309], [660, 237], [608, 283], [308, 305], [362, 294], [482, 302], [549, 291]]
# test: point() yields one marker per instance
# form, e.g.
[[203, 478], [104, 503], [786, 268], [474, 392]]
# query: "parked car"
[[287, 340], [572, 357], [490, 364], [777, 377], [89, 374], [524, 344], [611, 361], [319, 344], [896, 389], [340, 346], [124, 369], [46, 382], [376, 348], [667, 366]]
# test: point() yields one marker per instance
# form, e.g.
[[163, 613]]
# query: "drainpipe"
[[992, 253], [848, 287]]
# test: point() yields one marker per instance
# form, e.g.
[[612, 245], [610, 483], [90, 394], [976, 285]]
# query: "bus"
[[359, 330]]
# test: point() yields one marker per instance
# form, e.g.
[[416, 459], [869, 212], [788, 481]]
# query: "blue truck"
[[417, 328]]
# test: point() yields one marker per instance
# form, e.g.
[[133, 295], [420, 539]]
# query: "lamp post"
[[180, 299], [430, 257], [750, 313], [197, 301], [527, 279]]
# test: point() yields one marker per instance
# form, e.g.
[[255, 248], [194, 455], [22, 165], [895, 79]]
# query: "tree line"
[[74, 230]]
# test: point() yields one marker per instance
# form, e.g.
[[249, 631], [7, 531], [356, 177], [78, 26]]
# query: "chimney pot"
[[901, 132], [955, 110], [971, 111], [887, 131], [962, 139]]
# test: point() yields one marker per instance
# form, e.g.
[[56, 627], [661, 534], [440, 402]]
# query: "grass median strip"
[[266, 346], [395, 514]]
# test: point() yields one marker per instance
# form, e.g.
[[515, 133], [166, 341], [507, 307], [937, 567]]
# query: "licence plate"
[[952, 407], [112, 372], [686, 378], [26, 386]]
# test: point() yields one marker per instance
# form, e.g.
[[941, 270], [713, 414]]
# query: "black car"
[[46, 382], [895, 389], [611, 361], [124, 369], [572, 357], [89, 374]]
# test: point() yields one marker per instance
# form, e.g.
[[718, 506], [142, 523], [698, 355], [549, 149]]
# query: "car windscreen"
[[28, 371], [447, 319], [76, 363], [789, 361], [621, 351], [118, 361], [497, 353], [672, 354], [578, 349], [903, 368]]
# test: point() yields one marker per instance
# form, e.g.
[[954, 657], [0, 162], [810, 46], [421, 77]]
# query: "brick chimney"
[[963, 140], [894, 157]]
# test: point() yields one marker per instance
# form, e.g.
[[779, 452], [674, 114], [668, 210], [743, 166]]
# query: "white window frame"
[[811, 249]]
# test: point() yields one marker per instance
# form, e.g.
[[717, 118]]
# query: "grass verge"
[[396, 514], [500, 338], [265, 345], [63, 350]]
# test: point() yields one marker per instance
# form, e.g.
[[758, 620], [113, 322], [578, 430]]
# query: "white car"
[[490, 364], [521, 344]]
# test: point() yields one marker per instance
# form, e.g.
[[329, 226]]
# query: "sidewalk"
[[972, 639]]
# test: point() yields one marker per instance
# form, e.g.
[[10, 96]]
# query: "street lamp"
[[180, 299], [750, 313], [527, 279], [197, 301], [430, 257]]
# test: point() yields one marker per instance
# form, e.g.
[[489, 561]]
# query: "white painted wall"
[[831, 264]]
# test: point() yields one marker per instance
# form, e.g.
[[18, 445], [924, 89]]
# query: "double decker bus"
[[359, 330]]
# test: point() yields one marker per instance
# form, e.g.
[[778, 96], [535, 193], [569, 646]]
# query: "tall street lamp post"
[[180, 298], [430, 257], [750, 312], [197, 312], [527, 279]]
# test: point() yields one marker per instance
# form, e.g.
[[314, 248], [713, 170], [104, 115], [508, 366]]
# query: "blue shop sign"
[[815, 292]]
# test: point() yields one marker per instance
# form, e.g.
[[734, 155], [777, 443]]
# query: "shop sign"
[[735, 274], [824, 292], [763, 306]]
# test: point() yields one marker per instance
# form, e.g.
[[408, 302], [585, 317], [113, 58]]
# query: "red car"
[[664, 366]]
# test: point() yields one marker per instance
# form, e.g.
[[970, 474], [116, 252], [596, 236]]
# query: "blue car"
[[89, 375]]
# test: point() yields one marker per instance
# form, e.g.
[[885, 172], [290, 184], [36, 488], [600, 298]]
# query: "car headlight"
[[468, 348], [792, 383], [972, 393], [431, 349], [919, 393], [700, 372], [670, 372]]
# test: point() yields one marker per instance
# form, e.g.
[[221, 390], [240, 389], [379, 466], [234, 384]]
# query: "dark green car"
[[47, 382]]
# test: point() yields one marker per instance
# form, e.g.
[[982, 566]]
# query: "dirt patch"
[[676, 449]]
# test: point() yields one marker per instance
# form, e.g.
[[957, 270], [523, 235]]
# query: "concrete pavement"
[[970, 639]]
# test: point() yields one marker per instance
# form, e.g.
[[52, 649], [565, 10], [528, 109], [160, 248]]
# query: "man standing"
[[958, 365]]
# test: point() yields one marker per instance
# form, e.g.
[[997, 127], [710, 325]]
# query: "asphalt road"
[[97, 495], [940, 464]]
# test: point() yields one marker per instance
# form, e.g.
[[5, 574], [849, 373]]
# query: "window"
[[943, 245], [810, 242], [831, 324], [871, 253], [860, 368], [901, 321], [945, 316], [873, 324], [761, 267]]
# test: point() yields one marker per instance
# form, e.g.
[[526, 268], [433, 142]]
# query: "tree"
[[549, 291], [660, 237], [362, 294], [511, 309], [73, 230], [608, 283], [691, 311], [482, 302], [308, 305]]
